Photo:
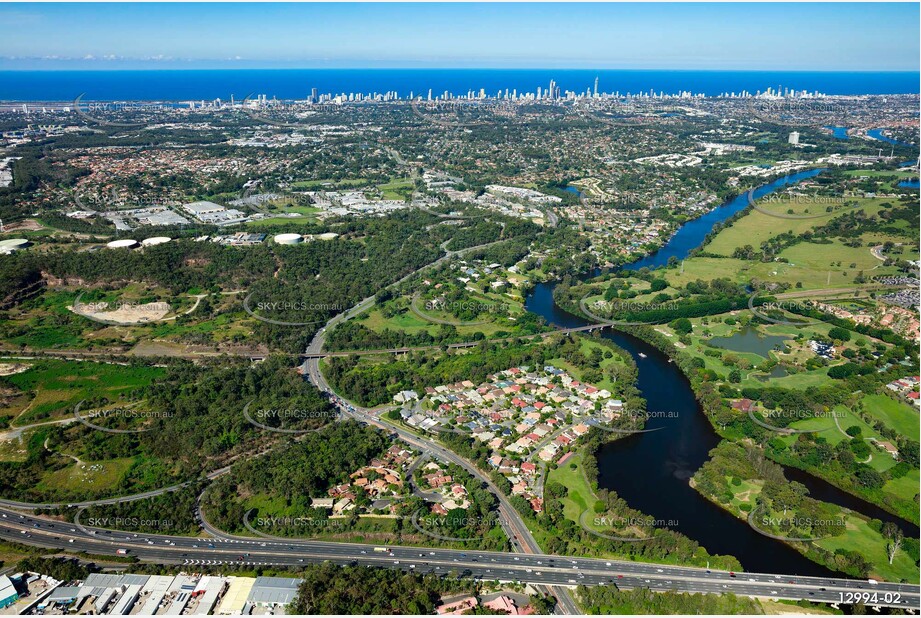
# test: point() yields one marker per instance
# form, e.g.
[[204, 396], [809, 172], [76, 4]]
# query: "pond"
[[750, 340]]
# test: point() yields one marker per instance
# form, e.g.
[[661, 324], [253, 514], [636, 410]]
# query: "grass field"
[[329, 183], [795, 352], [906, 486], [899, 416], [872, 546], [746, 493], [87, 477], [757, 227], [880, 460], [57, 386], [586, 346], [858, 536], [397, 189], [580, 496]]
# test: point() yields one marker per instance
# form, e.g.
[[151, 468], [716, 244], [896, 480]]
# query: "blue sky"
[[816, 36]]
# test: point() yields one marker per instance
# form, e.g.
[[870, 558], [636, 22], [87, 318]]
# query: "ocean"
[[185, 85]]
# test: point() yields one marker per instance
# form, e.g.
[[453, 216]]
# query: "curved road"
[[514, 526]]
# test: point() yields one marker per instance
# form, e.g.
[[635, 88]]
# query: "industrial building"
[[288, 239], [124, 243], [13, 244], [234, 600], [8, 593], [272, 591], [156, 240], [209, 212], [160, 595]]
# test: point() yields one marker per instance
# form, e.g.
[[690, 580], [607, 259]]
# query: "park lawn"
[[901, 173], [579, 495], [718, 328], [411, 323], [906, 487], [59, 385], [87, 477], [221, 328], [707, 268], [13, 450], [337, 184], [815, 265], [277, 221], [407, 321], [899, 416], [880, 460], [860, 537], [757, 227], [397, 189], [746, 493]]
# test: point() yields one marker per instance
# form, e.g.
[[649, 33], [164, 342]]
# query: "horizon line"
[[462, 68]]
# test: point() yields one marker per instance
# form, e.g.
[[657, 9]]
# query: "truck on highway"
[[121, 552], [381, 549]]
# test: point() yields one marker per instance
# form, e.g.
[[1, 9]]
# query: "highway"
[[514, 526], [554, 570], [537, 569], [528, 564]]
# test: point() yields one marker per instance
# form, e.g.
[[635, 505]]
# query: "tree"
[[894, 537], [682, 326], [840, 334]]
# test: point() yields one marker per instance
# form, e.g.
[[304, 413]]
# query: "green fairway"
[[897, 415], [397, 189], [872, 546], [580, 496], [757, 227]]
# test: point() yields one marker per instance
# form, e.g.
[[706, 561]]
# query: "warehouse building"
[[8, 593], [273, 591]]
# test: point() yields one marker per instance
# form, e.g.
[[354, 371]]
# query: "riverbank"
[[738, 479], [828, 552], [667, 459]]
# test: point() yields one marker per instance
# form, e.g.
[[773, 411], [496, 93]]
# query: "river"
[[651, 470]]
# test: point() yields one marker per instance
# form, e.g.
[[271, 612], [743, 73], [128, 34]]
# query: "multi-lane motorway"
[[538, 569], [528, 564], [555, 571]]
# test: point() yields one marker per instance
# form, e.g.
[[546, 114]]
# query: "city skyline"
[[689, 36]]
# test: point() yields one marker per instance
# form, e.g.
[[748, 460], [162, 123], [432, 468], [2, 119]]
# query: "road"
[[528, 564], [517, 531], [452, 346], [538, 569]]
